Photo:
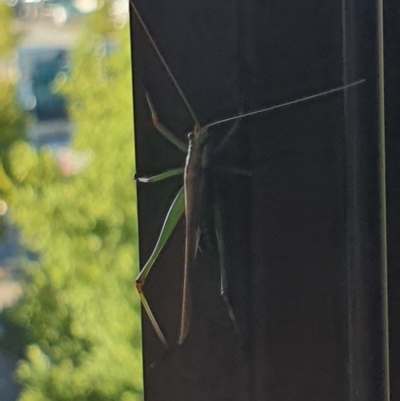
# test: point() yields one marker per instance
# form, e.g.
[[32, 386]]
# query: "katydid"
[[188, 199]]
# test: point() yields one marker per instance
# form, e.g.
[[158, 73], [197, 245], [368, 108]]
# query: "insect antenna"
[[281, 105], [166, 66]]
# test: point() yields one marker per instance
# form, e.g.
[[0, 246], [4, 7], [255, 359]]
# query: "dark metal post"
[[392, 128], [305, 234]]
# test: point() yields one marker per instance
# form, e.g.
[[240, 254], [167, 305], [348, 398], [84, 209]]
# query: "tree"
[[79, 303], [8, 36], [12, 121]]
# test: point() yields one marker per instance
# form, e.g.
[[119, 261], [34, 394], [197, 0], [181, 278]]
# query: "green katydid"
[[188, 200]]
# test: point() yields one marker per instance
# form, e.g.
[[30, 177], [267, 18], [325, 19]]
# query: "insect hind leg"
[[223, 274], [225, 298], [139, 287]]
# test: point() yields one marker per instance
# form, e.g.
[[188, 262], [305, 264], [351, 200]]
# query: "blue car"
[[39, 67]]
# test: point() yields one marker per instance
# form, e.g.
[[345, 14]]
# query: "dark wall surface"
[[392, 129], [303, 234]]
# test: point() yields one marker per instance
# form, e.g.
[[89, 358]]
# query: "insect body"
[[188, 201], [193, 188]]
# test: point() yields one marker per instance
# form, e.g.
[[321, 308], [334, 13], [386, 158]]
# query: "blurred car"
[[49, 105], [39, 67]]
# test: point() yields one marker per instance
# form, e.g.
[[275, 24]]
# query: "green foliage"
[[79, 305], [12, 122], [8, 40]]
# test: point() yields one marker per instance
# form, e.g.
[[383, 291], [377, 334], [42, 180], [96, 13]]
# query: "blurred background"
[[69, 314]]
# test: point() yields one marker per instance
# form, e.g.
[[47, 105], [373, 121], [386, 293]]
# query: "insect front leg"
[[159, 177], [164, 131]]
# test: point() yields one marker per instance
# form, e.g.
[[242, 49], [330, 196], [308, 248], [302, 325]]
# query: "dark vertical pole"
[[366, 227], [319, 257], [305, 235], [366, 236], [392, 126]]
